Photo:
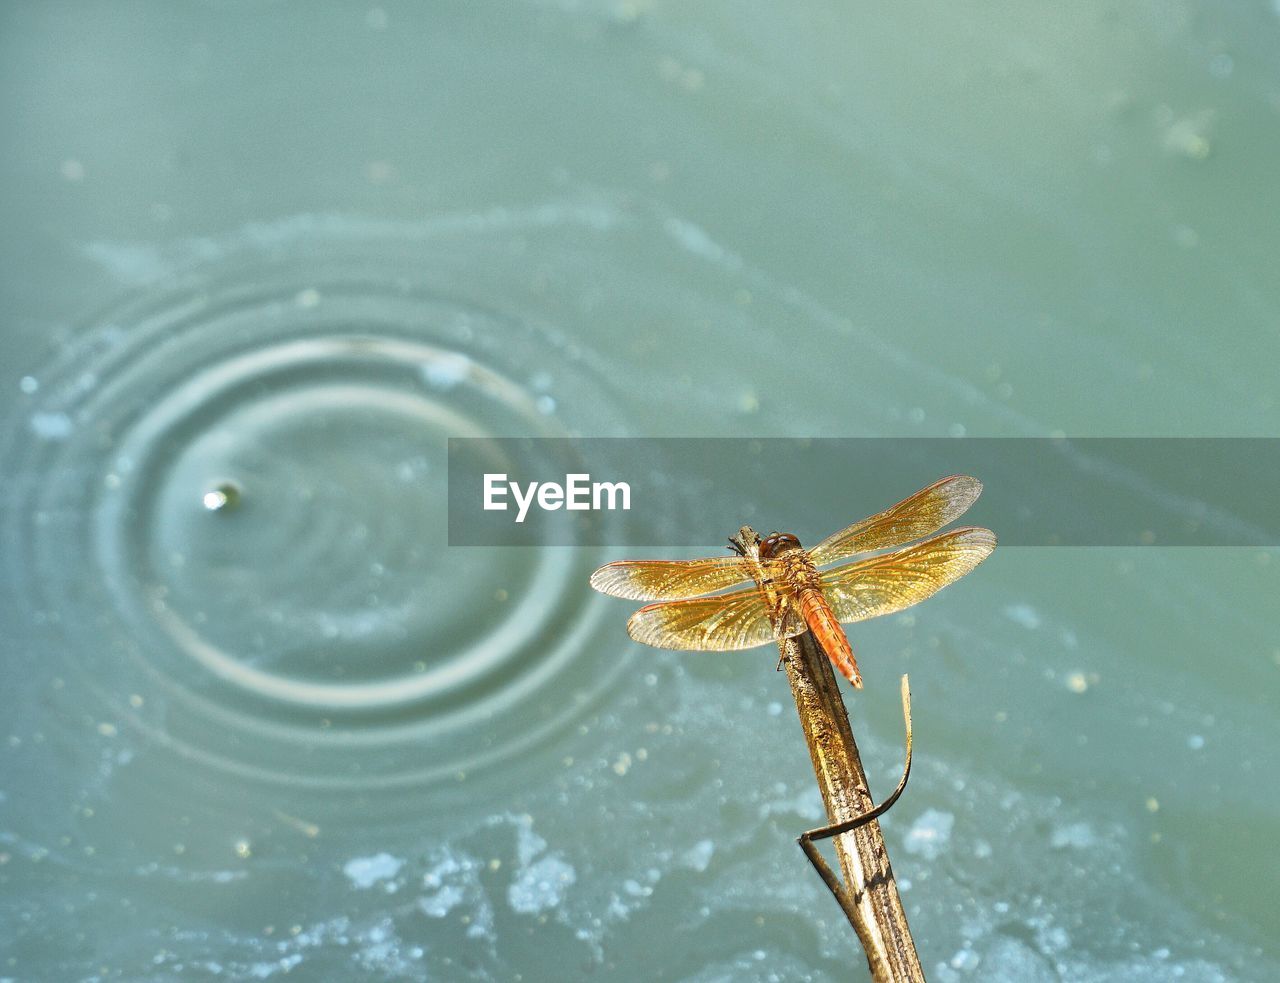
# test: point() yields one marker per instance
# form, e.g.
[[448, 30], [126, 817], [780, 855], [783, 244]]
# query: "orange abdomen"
[[826, 629]]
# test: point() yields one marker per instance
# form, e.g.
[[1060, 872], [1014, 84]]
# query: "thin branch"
[[869, 894], [807, 838], [875, 909]]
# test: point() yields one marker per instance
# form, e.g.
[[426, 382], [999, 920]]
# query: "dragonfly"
[[791, 591]]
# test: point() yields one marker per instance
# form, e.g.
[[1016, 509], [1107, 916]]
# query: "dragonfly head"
[[777, 542]]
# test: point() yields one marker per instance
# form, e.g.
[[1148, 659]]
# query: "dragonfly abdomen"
[[826, 629]]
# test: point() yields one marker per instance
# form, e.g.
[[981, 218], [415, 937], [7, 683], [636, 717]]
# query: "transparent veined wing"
[[893, 581], [724, 623], [927, 511], [662, 580]]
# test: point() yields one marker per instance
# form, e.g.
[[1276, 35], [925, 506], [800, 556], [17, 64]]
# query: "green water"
[[291, 248]]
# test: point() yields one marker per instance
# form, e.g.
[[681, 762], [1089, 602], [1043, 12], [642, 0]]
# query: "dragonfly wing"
[[723, 623], [663, 580], [927, 511], [893, 581]]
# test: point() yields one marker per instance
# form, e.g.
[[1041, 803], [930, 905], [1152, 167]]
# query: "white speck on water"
[[412, 469], [1013, 959], [1051, 938], [308, 298], [453, 881], [546, 405], [965, 960], [29, 384], [696, 241], [1024, 615], [1077, 682], [929, 835], [774, 708], [540, 885], [528, 843], [446, 371], [698, 857], [263, 970], [806, 803], [444, 900], [1079, 836], [51, 426], [1195, 742], [1187, 136], [444, 892], [636, 889], [365, 872], [541, 882]]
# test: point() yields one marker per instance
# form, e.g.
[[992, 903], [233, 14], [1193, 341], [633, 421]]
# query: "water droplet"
[[447, 371], [51, 426], [224, 496]]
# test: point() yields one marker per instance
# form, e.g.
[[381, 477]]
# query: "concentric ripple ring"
[[231, 502]]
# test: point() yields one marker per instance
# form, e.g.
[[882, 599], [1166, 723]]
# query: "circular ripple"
[[230, 502]]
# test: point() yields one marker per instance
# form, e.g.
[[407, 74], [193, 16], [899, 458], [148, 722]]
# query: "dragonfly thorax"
[[778, 542]]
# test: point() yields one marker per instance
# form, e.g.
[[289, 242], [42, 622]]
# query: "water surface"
[[259, 261]]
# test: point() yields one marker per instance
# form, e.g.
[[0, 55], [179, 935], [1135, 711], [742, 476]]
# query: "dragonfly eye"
[[776, 543]]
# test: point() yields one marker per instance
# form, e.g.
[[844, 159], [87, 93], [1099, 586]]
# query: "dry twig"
[[868, 894]]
